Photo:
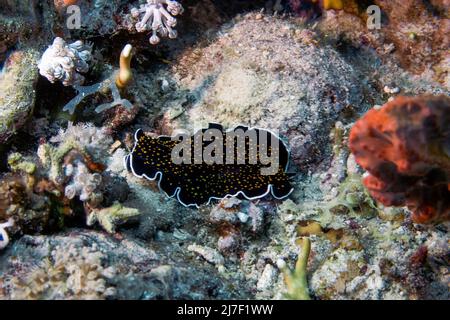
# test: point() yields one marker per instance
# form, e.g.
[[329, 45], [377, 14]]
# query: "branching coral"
[[17, 163], [157, 18], [296, 281], [64, 62], [110, 217], [83, 183], [19, 200], [73, 162], [405, 147], [74, 166], [118, 80], [81, 143], [69, 273]]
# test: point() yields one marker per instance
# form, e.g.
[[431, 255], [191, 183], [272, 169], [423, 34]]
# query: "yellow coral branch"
[[296, 282], [125, 74], [333, 4]]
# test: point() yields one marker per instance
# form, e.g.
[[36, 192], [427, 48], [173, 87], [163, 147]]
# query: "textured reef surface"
[[359, 207]]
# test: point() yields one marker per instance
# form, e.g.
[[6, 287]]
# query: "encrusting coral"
[[64, 62], [157, 18], [405, 147]]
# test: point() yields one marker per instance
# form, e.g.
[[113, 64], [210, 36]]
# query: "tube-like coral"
[[125, 74], [296, 281]]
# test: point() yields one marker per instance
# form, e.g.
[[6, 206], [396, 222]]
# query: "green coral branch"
[[110, 217], [53, 157], [18, 164], [296, 281]]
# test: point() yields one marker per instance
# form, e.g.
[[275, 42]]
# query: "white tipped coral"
[[158, 17], [83, 184], [64, 62]]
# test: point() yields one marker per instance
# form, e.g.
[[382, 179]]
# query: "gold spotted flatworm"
[[194, 184]]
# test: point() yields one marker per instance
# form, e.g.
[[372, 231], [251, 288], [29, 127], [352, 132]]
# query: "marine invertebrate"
[[195, 182], [68, 273], [333, 4], [83, 183], [110, 217], [21, 201], [118, 80], [61, 4], [125, 74], [157, 19], [82, 143], [17, 163], [296, 281], [405, 147], [64, 62], [314, 8], [4, 238]]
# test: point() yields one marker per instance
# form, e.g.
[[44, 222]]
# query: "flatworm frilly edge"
[[196, 184]]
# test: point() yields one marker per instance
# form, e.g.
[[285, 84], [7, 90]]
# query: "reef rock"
[[17, 94], [263, 73]]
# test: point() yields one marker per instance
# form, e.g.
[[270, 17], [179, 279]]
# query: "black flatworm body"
[[195, 184]]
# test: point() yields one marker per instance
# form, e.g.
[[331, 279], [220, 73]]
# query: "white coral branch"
[[64, 62], [158, 17]]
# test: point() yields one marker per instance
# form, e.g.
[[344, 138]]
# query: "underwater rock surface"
[[85, 228]]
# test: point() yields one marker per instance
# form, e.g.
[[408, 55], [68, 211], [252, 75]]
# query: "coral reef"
[[157, 18], [307, 78], [21, 201], [64, 62], [114, 82], [69, 273], [405, 148], [83, 264]]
